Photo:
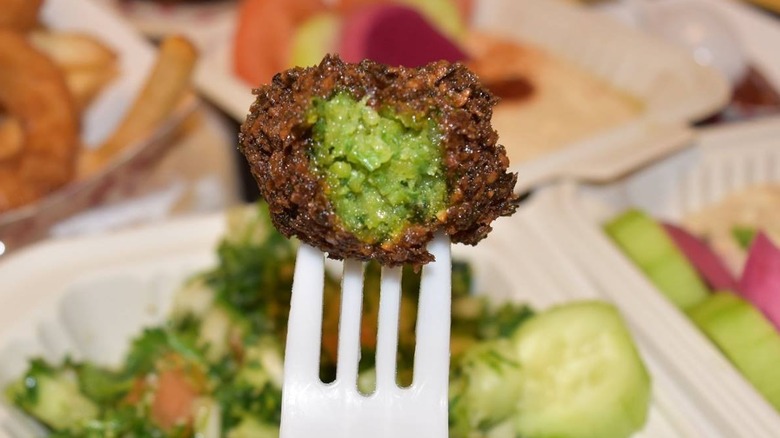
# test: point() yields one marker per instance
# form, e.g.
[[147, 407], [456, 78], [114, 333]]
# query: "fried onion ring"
[[33, 91], [11, 137], [19, 15]]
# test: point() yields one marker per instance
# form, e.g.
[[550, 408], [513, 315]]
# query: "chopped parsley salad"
[[214, 368]]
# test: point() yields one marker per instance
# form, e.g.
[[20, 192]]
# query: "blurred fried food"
[[48, 78], [88, 63], [21, 15], [164, 87], [34, 92], [11, 137]]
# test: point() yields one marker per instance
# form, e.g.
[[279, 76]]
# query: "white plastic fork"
[[311, 408]]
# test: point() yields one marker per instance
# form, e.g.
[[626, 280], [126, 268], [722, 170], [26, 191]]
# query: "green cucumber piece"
[[746, 337], [53, 397], [485, 388], [643, 240], [582, 375]]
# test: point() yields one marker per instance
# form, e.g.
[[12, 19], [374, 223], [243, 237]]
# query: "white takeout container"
[[724, 160], [99, 291]]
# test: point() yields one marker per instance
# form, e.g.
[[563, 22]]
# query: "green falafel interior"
[[382, 171], [368, 161]]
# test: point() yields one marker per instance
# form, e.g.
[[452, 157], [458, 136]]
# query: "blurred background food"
[[86, 114], [548, 102], [44, 153]]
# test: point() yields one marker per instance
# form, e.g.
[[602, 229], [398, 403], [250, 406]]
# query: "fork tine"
[[349, 323], [432, 352], [387, 332], [302, 354]]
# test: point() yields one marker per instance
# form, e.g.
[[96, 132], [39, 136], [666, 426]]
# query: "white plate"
[[669, 190], [97, 292], [674, 89]]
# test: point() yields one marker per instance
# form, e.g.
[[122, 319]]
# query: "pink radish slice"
[[760, 282], [394, 35], [709, 265]]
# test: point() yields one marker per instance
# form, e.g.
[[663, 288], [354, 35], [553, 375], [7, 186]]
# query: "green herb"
[[744, 236]]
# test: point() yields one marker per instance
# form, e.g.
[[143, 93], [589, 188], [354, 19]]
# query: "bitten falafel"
[[367, 161]]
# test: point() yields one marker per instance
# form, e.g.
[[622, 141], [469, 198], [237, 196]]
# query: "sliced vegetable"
[[173, 398], [646, 242], [263, 37], [394, 35], [582, 375], [486, 388], [102, 385], [760, 282], [707, 263], [315, 38], [52, 396], [746, 337]]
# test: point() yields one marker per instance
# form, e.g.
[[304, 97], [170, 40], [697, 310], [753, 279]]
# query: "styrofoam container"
[[723, 161], [672, 87], [99, 291]]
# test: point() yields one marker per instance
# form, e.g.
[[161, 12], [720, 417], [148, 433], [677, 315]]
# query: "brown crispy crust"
[[275, 139]]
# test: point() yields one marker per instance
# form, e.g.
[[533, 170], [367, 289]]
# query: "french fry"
[[88, 64], [163, 89], [85, 84], [74, 51]]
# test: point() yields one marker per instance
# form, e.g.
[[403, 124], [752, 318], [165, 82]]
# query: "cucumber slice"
[[582, 375], [53, 397], [485, 388], [746, 337], [648, 245]]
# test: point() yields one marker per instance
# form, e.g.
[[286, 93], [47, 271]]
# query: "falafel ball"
[[367, 161]]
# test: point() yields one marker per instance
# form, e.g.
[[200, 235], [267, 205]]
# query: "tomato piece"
[[173, 398], [261, 41], [266, 28], [264, 32]]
